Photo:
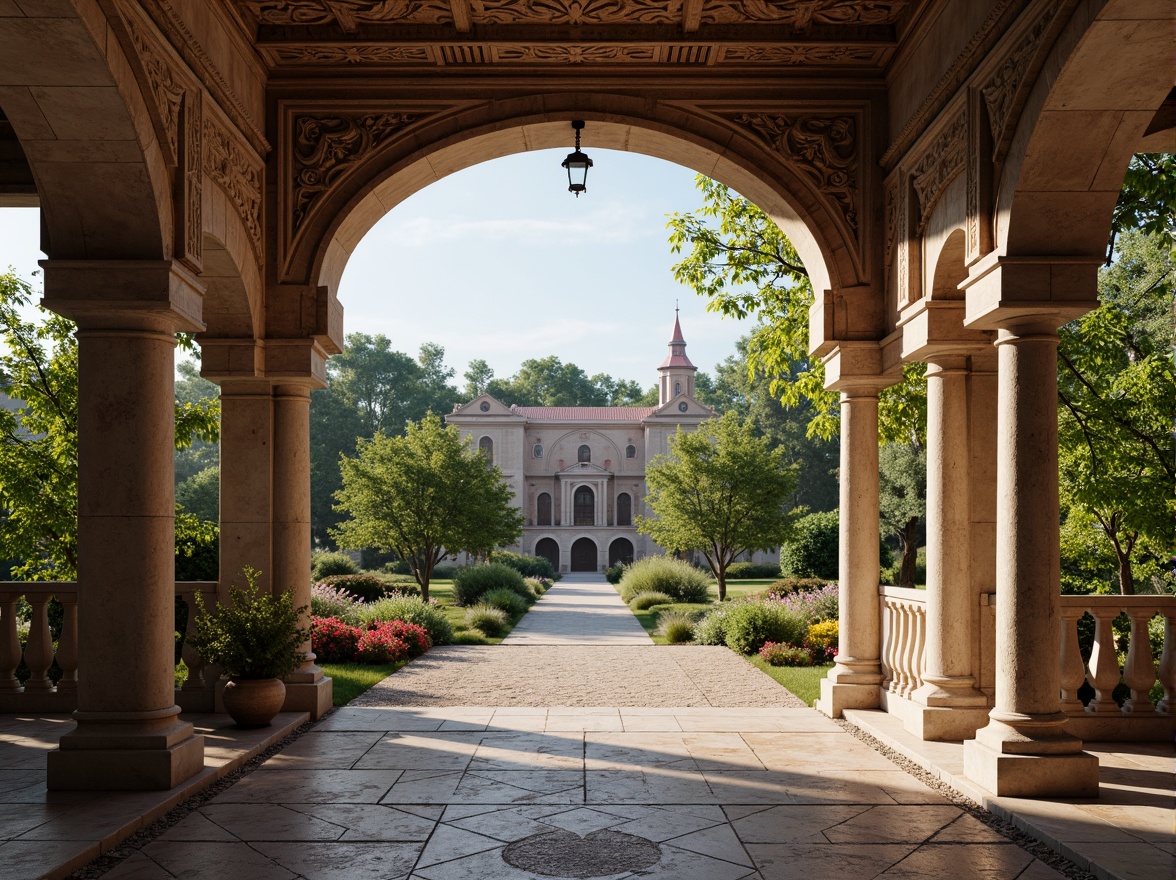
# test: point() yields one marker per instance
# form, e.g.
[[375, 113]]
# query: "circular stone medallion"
[[599, 854]]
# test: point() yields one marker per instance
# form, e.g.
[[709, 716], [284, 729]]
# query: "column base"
[[315, 697], [1011, 775], [836, 697], [945, 723], [125, 769]]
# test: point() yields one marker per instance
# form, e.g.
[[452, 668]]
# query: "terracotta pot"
[[253, 702]]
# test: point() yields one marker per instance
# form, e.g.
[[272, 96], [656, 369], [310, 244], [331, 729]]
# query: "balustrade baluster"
[[908, 660], [1073, 672], [891, 638], [1104, 663], [9, 644], [67, 644], [1168, 663], [920, 643], [39, 649], [190, 655], [900, 666], [1139, 672]]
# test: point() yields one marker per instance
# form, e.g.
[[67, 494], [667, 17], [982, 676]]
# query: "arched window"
[[486, 447], [677, 388], [584, 453], [543, 510], [538, 450], [630, 451], [624, 509], [584, 507]]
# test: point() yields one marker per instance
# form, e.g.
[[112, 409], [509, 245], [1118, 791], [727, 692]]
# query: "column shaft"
[[129, 734], [246, 486], [853, 682]]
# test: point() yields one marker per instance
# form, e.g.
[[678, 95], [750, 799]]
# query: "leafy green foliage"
[[410, 609], [365, 586], [550, 382], [255, 635], [663, 574], [424, 495], [811, 549], [488, 619], [199, 494], [644, 601], [472, 582], [676, 627], [197, 548], [752, 570], [614, 573], [902, 500], [38, 437], [325, 564], [527, 566], [1147, 202], [749, 624], [744, 265], [722, 491], [1117, 395], [506, 599]]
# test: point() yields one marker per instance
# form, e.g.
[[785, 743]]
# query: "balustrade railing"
[[46, 689], [904, 635]]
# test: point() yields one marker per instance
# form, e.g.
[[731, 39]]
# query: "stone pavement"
[[578, 611], [742, 791]]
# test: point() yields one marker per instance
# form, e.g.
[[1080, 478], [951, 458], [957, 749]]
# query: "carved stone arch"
[[1085, 115], [944, 243], [233, 287], [596, 439], [82, 117], [412, 145]]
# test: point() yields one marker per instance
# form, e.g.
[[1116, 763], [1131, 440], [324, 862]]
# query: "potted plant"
[[255, 639]]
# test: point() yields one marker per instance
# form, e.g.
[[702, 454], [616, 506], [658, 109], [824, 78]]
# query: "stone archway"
[[548, 549], [620, 552], [584, 555]]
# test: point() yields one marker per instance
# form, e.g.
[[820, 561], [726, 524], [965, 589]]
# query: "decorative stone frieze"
[[166, 88], [189, 210], [235, 170], [351, 54], [1002, 90], [543, 54], [938, 166], [803, 14], [348, 13], [325, 147], [824, 148], [799, 54]]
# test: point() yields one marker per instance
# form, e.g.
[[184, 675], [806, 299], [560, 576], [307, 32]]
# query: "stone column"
[[306, 689], [952, 708], [1024, 750], [853, 682], [246, 486], [129, 734]]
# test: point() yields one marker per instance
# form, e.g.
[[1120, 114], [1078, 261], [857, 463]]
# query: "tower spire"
[[676, 374]]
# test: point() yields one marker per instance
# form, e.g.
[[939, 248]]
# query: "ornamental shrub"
[[613, 574], [507, 600], [749, 624], [381, 644], [537, 585], [822, 640], [487, 619], [405, 585], [328, 563], [787, 585], [642, 601], [470, 583], [741, 571], [811, 551], [664, 574], [711, 629], [367, 587], [328, 601], [776, 654], [334, 641], [527, 566], [410, 609], [675, 627], [445, 571], [814, 605]]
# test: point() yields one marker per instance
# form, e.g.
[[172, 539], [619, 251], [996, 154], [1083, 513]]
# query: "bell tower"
[[676, 374]]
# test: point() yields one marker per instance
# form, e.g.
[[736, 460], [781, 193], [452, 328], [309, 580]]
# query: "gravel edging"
[[1027, 842]]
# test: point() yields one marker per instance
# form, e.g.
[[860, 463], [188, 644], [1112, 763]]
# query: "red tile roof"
[[585, 413]]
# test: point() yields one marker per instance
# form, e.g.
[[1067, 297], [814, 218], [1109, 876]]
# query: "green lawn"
[[804, 681], [352, 679]]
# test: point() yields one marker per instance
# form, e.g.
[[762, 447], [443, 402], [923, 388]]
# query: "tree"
[[902, 500], [741, 261], [423, 496], [1117, 396], [192, 388], [1147, 201], [200, 494], [547, 382], [38, 437], [721, 490], [477, 376]]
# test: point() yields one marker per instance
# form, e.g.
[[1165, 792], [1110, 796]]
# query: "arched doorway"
[[584, 555], [620, 552], [549, 550], [584, 507]]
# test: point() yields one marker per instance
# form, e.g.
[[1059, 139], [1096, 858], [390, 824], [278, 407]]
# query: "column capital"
[[1008, 291], [856, 368], [153, 295], [933, 328], [268, 362]]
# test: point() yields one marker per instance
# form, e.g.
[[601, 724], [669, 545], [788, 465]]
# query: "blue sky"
[[500, 261]]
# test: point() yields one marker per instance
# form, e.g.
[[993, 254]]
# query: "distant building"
[[578, 473]]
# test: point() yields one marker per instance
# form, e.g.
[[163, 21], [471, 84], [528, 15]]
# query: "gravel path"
[[579, 646]]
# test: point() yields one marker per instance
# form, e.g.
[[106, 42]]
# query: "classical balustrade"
[[39, 693], [1102, 718], [904, 635]]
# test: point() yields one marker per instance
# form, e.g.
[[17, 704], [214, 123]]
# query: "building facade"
[[578, 472]]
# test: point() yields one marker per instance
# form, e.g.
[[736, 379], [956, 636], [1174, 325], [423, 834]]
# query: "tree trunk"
[[1126, 579], [721, 577], [908, 539]]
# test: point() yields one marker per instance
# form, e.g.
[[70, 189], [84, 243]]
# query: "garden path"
[[453, 769]]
